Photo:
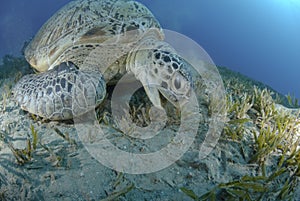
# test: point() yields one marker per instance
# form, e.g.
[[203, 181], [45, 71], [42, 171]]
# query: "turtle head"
[[165, 72], [172, 76]]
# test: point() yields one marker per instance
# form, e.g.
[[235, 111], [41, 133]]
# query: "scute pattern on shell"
[[90, 43], [83, 25]]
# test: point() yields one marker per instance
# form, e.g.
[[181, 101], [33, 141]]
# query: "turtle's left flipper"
[[60, 93]]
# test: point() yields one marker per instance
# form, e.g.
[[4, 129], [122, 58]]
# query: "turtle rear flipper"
[[60, 93]]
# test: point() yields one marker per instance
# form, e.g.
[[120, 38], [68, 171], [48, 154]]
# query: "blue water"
[[260, 39]]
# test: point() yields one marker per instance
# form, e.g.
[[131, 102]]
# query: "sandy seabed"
[[60, 168]]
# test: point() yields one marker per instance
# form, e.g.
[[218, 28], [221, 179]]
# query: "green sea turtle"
[[85, 45]]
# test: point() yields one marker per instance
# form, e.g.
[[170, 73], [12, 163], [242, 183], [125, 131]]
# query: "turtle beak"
[[151, 87], [153, 94]]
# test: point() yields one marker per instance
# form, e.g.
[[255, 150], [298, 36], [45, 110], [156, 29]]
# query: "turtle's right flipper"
[[60, 93]]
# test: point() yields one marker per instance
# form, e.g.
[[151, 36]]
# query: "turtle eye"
[[177, 82]]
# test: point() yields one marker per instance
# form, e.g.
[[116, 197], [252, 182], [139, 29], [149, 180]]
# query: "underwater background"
[[245, 146], [258, 38]]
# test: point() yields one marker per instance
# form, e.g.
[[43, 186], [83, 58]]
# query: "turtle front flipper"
[[160, 69], [60, 93]]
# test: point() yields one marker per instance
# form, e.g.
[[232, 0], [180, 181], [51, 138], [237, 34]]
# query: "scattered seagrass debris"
[[257, 156], [275, 142]]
